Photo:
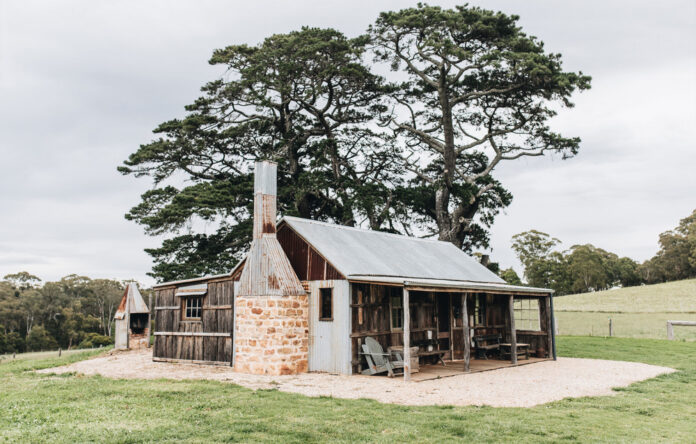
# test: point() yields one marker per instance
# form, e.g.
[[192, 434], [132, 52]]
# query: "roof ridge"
[[364, 230]]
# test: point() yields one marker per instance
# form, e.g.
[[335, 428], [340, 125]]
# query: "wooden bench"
[[485, 344], [522, 350], [437, 353]]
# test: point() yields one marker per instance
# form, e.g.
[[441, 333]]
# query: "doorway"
[[443, 323]]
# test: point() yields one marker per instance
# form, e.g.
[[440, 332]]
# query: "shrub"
[[95, 340]]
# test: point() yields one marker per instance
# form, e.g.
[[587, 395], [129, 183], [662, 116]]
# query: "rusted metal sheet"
[[133, 300], [329, 341]]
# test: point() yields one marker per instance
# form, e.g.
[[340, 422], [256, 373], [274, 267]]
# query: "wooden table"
[[522, 350], [438, 353]]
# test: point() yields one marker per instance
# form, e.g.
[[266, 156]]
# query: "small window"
[[479, 310], [193, 308], [527, 314], [326, 304], [397, 312]]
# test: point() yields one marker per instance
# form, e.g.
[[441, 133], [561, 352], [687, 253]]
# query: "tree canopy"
[[414, 156], [479, 91], [584, 268], [74, 311]]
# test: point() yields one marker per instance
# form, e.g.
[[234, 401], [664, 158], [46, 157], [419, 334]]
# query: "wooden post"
[[611, 328], [149, 318], [407, 337], [549, 326], [60, 351], [670, 331], [513, 332], [467, 339]]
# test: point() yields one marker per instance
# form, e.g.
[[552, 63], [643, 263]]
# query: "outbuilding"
[[132, 321], [310, 293]]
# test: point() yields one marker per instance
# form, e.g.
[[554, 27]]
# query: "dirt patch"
[[523, 386]]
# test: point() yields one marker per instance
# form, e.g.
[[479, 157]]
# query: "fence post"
[[611, 328], [670, 331], [60, 351]]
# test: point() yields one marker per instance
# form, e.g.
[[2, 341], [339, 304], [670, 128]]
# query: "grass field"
[[40, 408], [636, 312], [671, 297]]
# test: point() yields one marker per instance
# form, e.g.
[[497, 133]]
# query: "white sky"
[[83, 83]]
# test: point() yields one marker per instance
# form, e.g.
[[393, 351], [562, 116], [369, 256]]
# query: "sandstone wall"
[[271, 334]]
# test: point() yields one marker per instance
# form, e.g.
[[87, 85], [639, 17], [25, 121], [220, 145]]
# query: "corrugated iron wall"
[[329, 341]]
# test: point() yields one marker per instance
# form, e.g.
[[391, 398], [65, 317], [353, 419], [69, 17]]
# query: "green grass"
[[671, 297], [69, 408], [627, 325], [636, 312]]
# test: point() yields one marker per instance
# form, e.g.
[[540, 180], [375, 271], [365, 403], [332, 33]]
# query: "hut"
[[132, 320], [309, 293]]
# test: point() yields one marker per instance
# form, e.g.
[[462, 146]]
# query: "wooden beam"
[[407, 337], [513, 332], [467, 339]]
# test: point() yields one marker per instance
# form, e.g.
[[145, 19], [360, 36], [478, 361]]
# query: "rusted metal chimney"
[[267, 271], [271, 307]]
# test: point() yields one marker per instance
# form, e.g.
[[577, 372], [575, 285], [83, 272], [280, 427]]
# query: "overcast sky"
[[83, 83]]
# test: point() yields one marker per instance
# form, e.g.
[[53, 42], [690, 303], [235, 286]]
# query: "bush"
[[95, 340], [39, 339]]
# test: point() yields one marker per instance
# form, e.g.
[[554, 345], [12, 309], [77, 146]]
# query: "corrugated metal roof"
[[133, 300], [355, 252]]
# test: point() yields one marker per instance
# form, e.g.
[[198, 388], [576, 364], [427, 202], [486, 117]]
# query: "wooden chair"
[[378, 361]]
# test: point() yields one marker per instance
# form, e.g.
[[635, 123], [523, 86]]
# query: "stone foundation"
[[271, 334]]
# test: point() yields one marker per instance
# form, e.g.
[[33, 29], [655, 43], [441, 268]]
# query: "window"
[[397, 312], [526, 314], [193, 308], [479, 310], [326, 304]]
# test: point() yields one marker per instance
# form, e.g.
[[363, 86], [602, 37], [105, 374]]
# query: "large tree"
[[477, 91], [303, 99]]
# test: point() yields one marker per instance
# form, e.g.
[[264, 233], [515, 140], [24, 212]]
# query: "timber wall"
[[208, 340]]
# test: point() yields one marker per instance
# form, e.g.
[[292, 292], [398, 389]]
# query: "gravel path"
[[523, 386]]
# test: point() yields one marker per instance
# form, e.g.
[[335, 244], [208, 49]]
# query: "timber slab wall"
[[208, 340]]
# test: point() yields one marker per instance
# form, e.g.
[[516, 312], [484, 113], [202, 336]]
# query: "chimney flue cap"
[[265, 177]]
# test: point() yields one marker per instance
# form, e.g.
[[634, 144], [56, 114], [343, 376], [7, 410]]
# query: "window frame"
[[400, 310], [527, 318], [185, 308], [322, 293]]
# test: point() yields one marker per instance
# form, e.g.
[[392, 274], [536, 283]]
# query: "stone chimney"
[[271, 334]]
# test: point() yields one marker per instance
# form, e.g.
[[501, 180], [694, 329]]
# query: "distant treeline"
[[585, 268], [74, 312]]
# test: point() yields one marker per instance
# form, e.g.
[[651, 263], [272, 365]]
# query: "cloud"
[[83, 83]]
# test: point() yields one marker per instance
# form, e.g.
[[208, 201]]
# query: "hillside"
[[636, 312], [670, 297]]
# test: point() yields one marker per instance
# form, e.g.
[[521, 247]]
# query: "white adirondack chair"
[[378, 361]]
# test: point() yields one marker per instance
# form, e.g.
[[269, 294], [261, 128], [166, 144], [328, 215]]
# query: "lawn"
[[628, 325], [39, 408]]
